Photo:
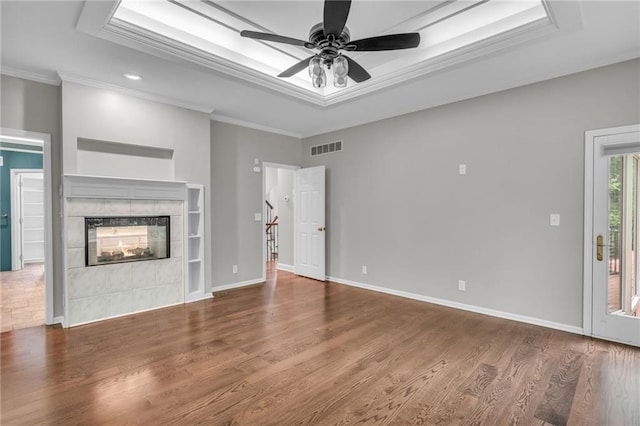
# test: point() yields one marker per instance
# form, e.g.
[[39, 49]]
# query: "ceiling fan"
[[331, 37]]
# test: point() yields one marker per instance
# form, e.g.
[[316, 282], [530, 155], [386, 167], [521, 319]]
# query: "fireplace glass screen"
[[126, 239]]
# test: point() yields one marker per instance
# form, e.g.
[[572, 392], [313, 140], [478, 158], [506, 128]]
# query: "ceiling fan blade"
[[385, 42], [356, 72], [291, 71], [335, 16], [275, 38]]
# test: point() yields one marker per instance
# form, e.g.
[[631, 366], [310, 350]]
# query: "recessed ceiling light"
[[134, 77]]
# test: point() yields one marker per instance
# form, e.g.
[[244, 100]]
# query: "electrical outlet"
[[462, 285], [462, 169], [235, 269], [364, 270]]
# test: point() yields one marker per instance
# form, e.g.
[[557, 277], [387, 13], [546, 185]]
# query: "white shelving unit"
[[194, 214]]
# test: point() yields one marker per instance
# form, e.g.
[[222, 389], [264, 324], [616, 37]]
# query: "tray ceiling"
[[85, 43], [207, 33]]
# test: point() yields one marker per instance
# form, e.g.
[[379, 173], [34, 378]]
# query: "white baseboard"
[[463, 306], [199, 297], [285, 267], [58, 320], [237, 285], [123, 315]]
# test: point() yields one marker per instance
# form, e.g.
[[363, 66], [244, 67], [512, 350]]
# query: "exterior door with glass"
[[612, 218]]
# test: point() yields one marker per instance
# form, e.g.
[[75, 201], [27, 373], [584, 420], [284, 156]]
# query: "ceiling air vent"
[[326, 148]]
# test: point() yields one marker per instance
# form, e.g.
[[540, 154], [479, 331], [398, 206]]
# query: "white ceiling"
[[48, 40]]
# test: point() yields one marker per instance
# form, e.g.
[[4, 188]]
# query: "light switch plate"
[[554, 219], [257, 217], [462, 169]]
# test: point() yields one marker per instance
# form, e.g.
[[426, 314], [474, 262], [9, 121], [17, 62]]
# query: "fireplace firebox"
[[126, 239]]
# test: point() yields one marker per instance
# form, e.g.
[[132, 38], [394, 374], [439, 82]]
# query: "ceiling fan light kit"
[[330, 37]]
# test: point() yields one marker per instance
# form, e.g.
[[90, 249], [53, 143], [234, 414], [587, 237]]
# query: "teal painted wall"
[[11, 160]]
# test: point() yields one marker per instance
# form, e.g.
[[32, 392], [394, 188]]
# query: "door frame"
[[589, 185], [264, 211], [17, 245], [24, 137]]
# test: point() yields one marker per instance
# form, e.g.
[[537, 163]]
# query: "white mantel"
[[81, 186]]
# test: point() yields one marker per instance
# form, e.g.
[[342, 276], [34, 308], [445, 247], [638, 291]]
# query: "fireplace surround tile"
[[75, 258], [109, 290], [85, 207], [85, 282], [119, 278], [176, 247], [176, 223], [117, 207], [169, 294], [75, 232], [86, 309], [143, 207], [143, 299], [116, 304], [144, 274], [168, 207], [169, 270]]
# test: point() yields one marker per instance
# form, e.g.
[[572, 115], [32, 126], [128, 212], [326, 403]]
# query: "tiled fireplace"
[[138, 262]]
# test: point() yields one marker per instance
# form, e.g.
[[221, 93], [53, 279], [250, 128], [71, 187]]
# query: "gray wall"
[[237, 196], [396, 203], [32, 106]]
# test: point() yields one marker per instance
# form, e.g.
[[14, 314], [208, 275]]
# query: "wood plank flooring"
[[22, 297], [297, 351]]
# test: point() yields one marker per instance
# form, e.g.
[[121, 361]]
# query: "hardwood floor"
[[22, 297], [297, 351]]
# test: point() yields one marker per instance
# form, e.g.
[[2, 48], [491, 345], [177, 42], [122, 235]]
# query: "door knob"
[[600, 248], [321, 229]]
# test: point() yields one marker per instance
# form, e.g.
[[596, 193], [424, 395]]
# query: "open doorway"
[[278, 204], [25, 230]]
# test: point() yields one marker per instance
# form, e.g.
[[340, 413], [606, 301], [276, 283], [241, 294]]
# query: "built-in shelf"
[[194, 290]]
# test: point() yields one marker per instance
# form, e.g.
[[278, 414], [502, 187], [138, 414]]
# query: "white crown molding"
[[463, 306], [157, 45], [97, 21], [28, 75], [85, 81], [512, 39], [229, 120]]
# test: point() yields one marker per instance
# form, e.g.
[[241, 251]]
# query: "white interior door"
[[33, 217], [614, 236], [310, 223]]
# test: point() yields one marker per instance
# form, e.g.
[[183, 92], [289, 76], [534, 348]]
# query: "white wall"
[[396, 203], [105, 115]]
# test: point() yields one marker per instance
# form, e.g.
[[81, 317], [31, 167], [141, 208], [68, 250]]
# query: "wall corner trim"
[[200, 298], [463, 306], [237, 285], [286, 268], [229, 120]]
